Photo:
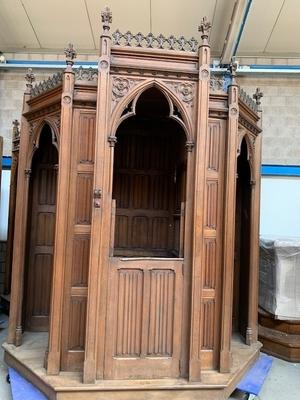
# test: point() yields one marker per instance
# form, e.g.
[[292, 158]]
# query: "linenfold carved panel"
[[211, 204], [213, 146], [208, 310], [86, 138], [76, 337], [80, 260], [129, 312], [84, 199], [210, 257], [161, 317]]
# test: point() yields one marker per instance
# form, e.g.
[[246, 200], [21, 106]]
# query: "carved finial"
[[16, 136], [232, 69], [71, 54], [106, 18], [30, 78], [16, 125], [257, 96], [204, 28]]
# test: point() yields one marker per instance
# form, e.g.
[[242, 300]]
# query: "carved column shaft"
[[229, 226], [12, 205], [99, 249], [201, 135], [252, 336], [19, 242], [59, 259]]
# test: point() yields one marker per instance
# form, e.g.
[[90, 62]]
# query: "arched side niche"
[[40, 232], [242, 241], [36, 132], [149, 180]]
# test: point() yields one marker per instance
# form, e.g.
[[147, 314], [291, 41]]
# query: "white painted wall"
[[4, 202], [280, 206]]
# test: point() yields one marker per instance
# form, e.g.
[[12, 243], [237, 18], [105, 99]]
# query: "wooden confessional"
[[135, 252]]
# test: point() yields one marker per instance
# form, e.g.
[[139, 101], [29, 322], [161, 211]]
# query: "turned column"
[[101, 215], [197, 265], [229, 222], [252, 328], [19, 242], [62, 205]]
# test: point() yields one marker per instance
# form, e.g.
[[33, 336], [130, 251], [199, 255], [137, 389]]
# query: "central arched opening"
[[149, 181]]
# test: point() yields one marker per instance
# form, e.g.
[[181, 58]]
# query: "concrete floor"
[[282, 383]]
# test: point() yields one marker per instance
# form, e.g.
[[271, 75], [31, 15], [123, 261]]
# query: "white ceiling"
[[272, 29], [49, 25]]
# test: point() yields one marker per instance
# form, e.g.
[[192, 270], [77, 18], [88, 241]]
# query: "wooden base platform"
[[28, 361], [279, 338]]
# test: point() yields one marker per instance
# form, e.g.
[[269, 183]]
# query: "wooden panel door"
[[144, 318], [41, 232], [78, 242]]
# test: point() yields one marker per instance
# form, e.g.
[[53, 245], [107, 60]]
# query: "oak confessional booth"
[[135, 255]]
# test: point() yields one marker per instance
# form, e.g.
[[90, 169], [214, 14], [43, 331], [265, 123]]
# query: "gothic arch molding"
[[36, 135], [135, 94], [245, 136]]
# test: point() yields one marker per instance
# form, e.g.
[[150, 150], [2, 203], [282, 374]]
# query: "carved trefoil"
[[121, 87], [185, 91]]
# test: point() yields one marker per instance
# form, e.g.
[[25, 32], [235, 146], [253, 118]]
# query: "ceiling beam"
[[239, 15]]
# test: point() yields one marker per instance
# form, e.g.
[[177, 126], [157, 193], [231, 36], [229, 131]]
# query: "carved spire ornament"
[[16, 136], [71, 54], [204, 28], [30, 78], [232, 69], [16, 125], [257, 96], [106, 18]]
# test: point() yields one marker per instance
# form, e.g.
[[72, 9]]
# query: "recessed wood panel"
[[211, 205], [76, 336], [208, 320], [84, 198], [42, 276], [161, 317], [210, 258], [80, 260], [159, 232], [129, 313], [45, 228], [213, 151], [47, 186], [121, 231], [86, 138]]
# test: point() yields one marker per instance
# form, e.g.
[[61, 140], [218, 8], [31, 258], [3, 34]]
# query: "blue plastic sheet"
[[22, 389], [255, 377]]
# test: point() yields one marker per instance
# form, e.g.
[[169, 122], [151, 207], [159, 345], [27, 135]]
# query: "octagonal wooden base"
[[279, 338], [28, 361]]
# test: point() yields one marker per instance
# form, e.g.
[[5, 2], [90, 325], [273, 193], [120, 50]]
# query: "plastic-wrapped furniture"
[[279, 297]]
